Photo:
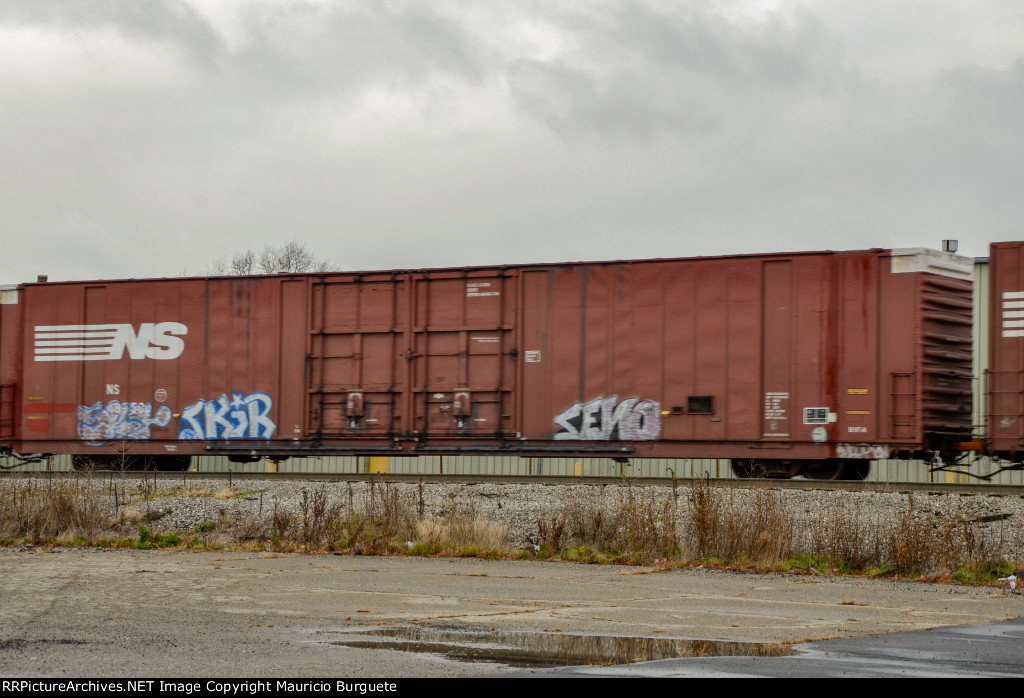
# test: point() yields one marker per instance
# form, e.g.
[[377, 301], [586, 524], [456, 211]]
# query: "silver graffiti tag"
[[607, 419]]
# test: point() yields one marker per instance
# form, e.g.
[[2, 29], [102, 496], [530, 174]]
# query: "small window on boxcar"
[[700, 404]]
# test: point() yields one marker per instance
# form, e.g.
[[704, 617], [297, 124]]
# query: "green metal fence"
[[484, 466]]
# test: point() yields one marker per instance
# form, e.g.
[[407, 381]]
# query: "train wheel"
[[130, 463], [746, 468], [772, 469], [855, 470], [829, 469], [91, 461], [177, 464], [246, 458]]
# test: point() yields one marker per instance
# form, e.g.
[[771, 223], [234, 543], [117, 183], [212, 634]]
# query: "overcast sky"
[[144, 138]]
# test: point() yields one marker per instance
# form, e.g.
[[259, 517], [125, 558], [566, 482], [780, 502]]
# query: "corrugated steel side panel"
[[933, 400], [946, 323], [726, 352], [617, 352], [860, 360]]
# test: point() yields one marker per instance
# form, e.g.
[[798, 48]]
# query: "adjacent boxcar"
[[1004, 374], [810, 363]]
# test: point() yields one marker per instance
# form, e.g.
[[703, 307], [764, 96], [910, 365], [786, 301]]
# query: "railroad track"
[[832, 485]]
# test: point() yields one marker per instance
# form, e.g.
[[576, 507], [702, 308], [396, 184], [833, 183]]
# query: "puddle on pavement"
[[527, 649]]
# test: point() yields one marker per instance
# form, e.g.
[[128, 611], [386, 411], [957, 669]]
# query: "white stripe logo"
[[107, 342], [1013, 314]]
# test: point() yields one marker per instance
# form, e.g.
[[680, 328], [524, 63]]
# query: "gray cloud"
[[646, 71], [170, 23], [402, 134]]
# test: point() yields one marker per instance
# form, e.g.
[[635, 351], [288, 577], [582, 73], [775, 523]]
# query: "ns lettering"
[[153, 340]]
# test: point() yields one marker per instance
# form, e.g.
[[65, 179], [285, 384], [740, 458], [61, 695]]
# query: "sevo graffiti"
[[120, 420], [607, 419], [239, 417], [864, 451]]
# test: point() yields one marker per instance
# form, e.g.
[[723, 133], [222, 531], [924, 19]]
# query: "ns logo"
[[153, 340]]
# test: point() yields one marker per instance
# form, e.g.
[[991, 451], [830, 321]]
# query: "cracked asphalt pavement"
[[91, 612]]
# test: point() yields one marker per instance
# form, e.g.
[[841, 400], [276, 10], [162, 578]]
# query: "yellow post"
[[960, 478], [377, 464], [271, 465]]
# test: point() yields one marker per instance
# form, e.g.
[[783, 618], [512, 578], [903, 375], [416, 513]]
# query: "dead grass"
[[46, 509], [846, 539], [459, 528], [757, 528], [130, 516], [550, 529], [754, 528], [641, 527], [724, 526]]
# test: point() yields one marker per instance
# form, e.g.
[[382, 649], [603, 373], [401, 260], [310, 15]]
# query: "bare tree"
[[291, 257], [243, 263]]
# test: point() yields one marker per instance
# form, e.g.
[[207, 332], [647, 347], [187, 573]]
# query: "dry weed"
[[724, 525], [461, 528], [129, 516], [550, 529], [317, 515], [45, 510], [845, 536], [641, 527]]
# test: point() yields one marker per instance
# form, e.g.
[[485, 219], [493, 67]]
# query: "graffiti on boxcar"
[[607, 419], [120, 420], [239, 417], [866, 451]]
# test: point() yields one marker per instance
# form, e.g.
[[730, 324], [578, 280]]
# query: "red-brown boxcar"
[[1005, 375], [811, 362]]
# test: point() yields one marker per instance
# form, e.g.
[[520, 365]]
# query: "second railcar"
[[811, 363]]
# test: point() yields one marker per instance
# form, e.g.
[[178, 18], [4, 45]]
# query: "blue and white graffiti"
[[120, 420], [606, 419], [240, 417]]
